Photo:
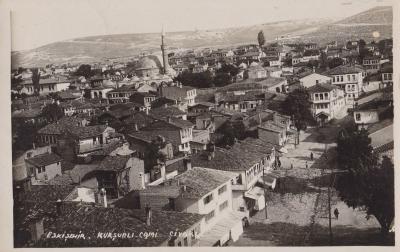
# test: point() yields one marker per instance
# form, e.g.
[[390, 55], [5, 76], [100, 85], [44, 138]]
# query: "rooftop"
[[90, 220], [113, 163], [44, 159], [345, 69], [201, 181], [321, 87], [240, 157]]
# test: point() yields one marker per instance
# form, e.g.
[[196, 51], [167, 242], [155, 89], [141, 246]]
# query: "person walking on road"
[[312, 156], [306, 165], [336, 213]]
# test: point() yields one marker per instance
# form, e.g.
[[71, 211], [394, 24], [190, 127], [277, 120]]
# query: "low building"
[[273, 133], [43, 167]]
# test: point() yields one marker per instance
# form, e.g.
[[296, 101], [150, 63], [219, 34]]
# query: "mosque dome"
[[146, 63]]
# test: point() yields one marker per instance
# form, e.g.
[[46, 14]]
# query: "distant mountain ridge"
[[98, 48]]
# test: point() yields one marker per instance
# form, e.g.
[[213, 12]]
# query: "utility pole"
[[330, 215], [265, 194]]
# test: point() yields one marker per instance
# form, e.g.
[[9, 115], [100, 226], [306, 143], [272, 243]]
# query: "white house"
[[313, 79], [348, 78], [327, 100]]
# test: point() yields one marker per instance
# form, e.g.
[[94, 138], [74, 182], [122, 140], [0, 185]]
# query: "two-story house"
[[387, 74], [371, 64], [349, 78], [177, 131], [248, 159], [326, 101], [179, 93]]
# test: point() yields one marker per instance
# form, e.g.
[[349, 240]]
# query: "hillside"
[[99, 48]]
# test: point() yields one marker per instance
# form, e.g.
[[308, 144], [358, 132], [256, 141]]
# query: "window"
[[348, 77], [29, 154], [185, 242], [210, 215], [221, 190], [358, 117], [223, 206], [179, 244], [208, 199], [341, 78], [326, 95], [316, 96]]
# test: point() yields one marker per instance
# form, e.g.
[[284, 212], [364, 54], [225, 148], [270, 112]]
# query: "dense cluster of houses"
[[136, 151]]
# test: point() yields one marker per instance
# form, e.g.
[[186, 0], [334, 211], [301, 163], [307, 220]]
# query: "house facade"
[[326, 101], [349, 79]]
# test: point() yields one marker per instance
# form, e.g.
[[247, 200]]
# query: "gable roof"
[[240, 157], [321, 87], [201, 181], [113, 163], [91, 220], [344, 69], [44, 159]]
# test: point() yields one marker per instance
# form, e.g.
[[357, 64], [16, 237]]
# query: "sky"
[[36, 23]]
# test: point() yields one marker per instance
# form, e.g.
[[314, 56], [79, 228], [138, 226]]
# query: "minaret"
[[164, 53]]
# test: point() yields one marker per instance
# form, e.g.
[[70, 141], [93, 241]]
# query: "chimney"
[[59, 206], [36, 229], [103, 197], [147, 111], [136, 127], [187, 162], [313, 69], [148, 215], [169, 119], [34, 145]]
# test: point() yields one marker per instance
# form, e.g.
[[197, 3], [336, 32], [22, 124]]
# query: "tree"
[[199, 80], [222, 79], [229, 69], [84, 70], [297, 105], [52, 112], [35, 80], [261, 39], [232, 131], [335, 62], [367, 184], [154, 156]]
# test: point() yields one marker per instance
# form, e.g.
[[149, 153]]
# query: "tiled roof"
[[344, 70], [248, 96], [172, 191], [89, 131], [73, 176], [240, 157], [200, 181], [164, 112], [113, 163], [44, 159], [269, 125], [90, 220], [47, 193], [321, 87], [30, 113]]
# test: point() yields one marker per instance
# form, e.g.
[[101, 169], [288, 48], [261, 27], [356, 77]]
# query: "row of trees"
[[222, 77]]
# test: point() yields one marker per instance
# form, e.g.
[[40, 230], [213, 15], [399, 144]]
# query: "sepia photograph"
[[179, 123]]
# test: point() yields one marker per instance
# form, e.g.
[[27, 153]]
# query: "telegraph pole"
[[265, 195]]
